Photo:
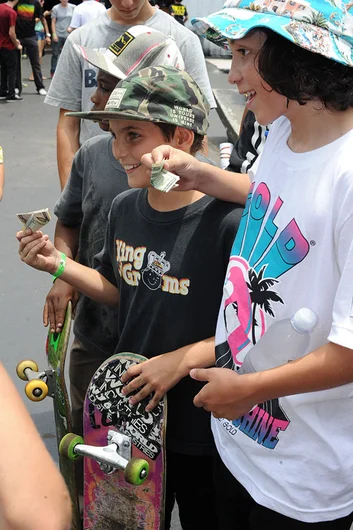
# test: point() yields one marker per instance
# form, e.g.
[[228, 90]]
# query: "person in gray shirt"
[[60, 20], [76, 81]]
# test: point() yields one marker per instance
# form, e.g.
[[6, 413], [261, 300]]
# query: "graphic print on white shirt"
[[261, 254]]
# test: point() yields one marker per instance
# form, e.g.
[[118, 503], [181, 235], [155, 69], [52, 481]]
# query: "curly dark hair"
[[303, 76]]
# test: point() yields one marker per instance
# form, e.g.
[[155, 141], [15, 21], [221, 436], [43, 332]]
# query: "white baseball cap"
[[137, 48]]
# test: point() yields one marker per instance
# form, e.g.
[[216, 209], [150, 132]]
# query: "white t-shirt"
[[75, 80], [294, 455], [85, 12]]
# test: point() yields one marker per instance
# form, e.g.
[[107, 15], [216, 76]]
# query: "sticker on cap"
[[121, 43], [115, 98]]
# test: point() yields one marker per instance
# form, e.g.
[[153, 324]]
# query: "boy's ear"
[[183, 138]]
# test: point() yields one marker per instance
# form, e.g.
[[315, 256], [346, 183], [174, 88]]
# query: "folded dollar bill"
[[163, 180], [35, 220]]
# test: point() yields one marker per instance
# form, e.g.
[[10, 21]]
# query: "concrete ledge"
[[230, 108]]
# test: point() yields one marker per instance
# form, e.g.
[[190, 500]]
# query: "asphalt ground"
[[28, 137]]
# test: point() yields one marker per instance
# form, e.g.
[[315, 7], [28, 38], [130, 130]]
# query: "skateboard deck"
[[57, 344], [111, 503], [52, 382]]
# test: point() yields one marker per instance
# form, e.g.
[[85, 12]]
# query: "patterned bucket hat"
[[136, 48], [158, 94], [320, 26]]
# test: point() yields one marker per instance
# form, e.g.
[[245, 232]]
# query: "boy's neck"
[[173, 200], [313, 127]]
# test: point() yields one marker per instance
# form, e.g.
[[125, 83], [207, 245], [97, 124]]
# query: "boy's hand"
[[182, 164], [56, 303], [154, 376], [38, 251], [227, 394]]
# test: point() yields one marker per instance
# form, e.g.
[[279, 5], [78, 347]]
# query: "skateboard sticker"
[[105, 396]]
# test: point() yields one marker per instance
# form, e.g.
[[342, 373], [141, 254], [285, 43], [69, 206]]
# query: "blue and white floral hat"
[[320, 26]]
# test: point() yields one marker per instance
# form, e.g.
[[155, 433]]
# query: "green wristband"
[[61, 267]]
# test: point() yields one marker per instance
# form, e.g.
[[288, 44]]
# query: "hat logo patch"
[[121, 43], [115, 98], [183, 116]]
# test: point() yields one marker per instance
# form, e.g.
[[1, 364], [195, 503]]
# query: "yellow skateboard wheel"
[[136, 471], [23, 365], [36, 390], [67, 445]]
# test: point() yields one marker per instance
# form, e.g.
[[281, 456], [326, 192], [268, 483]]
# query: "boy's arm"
[[53, 29], [159, 374], [26, 488], [39, 252], [196, 175], [229, 395], [13, 37], [67, 137], [66, 240], [2, 174]]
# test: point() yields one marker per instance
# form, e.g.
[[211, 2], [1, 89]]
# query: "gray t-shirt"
[[62, 17], [75, 80], [96, 178]]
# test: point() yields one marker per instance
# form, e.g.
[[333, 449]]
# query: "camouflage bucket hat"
[[319, 26], [157, 94]]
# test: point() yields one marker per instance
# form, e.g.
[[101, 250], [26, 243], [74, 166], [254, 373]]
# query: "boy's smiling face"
[[265, 103], [132, 139]]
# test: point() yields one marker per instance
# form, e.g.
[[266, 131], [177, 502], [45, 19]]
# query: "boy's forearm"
[[66, 239], [68, 133], [2, 180], [197, 355], [90, 283], [222, 184], [327, 367]]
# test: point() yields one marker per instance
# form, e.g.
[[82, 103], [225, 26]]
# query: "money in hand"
[[163, 180], [35, 220]]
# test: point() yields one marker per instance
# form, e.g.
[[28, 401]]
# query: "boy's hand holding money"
[[38, 251], [182, 164]]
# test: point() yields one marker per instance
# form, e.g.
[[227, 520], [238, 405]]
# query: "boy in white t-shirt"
[[85, 12], [284, 435]]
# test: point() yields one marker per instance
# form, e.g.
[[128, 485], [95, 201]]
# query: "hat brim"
[[98, 59], [106, 115], [234, 23]]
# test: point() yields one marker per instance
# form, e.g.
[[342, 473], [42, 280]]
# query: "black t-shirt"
[[179, 11], [170, 269], [27, 12]]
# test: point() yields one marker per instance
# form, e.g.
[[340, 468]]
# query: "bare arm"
[[39, 252], [66, 240], [32, 491], [159, 374], [12, 35], [196, 175], [53, 30], [229, 395], [67, 137]]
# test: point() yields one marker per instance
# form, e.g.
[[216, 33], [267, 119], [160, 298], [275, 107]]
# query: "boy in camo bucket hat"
[[159, 251], [159, 94]]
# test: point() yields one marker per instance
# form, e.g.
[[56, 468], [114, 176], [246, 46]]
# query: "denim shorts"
[[40, 35]]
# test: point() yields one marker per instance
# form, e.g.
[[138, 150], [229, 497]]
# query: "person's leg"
[[11, 72], [194, 491], [3, 74], [55, 48], [32, 52], [41, 44]]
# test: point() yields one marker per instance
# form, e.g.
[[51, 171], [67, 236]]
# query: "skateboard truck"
[[114, 456], [40, 384]]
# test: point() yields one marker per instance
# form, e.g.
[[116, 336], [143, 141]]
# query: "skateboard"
[[52, 382], [124, 450]]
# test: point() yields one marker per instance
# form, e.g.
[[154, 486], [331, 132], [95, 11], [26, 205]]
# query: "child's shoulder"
[[124, 200], [224, 213]]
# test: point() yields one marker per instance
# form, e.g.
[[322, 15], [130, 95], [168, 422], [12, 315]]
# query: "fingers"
[[160, 153], [200, 374], [45, 314], [133, 371], [30, 251]]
